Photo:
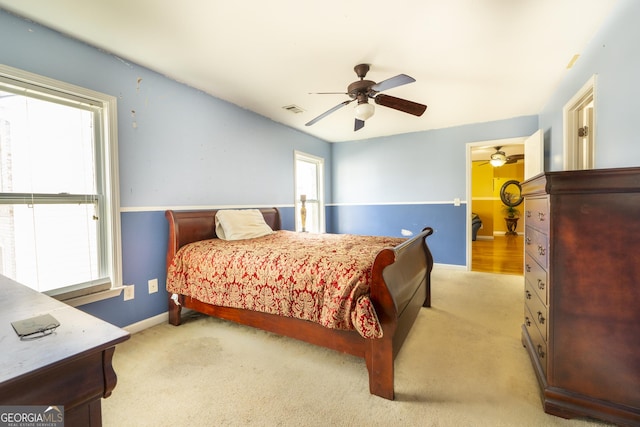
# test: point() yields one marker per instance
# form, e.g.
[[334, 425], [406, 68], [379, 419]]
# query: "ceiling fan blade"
[[326, 113], [400, 104], [359, 124], [399, 80], [514, 158]]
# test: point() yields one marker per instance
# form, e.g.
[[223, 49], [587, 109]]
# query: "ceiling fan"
[[499, 158], [361, 90]]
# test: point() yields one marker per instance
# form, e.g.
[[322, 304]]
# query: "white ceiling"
[[473, 60]]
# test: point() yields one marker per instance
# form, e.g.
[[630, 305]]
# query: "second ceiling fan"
[[499, 158], [362, 90]]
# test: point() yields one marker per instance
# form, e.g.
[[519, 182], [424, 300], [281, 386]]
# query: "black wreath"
[[510, 198]]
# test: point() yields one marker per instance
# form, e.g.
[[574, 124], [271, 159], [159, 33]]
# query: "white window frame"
[[107, 167], [319, 162]]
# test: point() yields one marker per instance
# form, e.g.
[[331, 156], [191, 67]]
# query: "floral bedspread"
[[323, 278]]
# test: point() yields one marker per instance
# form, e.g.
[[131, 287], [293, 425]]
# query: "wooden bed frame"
[[400, 286]]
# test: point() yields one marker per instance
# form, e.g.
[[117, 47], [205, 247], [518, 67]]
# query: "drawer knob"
[[541, 285], [528, 214], [527, 321], [540, 318], [527, 240], [541, 250], [540, 216], [540, 351], [528, 268], [527, 294]]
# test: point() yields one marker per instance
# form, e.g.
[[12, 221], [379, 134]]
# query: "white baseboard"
[[147, 323], [159, 319]]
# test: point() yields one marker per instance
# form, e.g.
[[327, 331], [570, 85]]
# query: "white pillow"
[[238, 224]]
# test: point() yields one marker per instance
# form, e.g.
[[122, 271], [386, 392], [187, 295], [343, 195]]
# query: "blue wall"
[[189, 150], [447, 244]]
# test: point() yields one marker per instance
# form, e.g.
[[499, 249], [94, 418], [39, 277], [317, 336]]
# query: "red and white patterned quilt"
[[323, 278]]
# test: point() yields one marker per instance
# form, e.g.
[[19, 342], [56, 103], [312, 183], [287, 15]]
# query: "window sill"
[[97, 296]]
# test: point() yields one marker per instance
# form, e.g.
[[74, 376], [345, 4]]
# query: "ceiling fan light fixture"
[[498, 159], [364, 110]]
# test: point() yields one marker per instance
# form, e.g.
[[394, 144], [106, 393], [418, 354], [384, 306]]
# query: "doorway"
[[494, 249]]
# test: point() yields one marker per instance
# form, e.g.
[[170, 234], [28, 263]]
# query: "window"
[[309, 179], [59, 206]]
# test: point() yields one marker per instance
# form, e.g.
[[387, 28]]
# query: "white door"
[[534, 155]]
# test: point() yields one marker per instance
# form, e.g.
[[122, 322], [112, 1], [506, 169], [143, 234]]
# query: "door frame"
[[570, 123], [469, 148]]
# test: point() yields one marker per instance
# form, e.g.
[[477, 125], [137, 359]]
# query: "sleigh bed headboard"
[[192, 226]]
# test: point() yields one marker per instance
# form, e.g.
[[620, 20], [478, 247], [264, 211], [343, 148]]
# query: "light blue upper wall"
[[416, 167], [613, 56], [198, 150], [177, 146]]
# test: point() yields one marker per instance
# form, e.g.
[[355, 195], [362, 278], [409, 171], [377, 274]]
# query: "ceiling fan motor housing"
[[359, 89]]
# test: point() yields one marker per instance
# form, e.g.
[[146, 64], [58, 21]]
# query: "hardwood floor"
[[503, 254]]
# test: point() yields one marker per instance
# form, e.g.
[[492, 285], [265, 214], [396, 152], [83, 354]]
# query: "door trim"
[[570, 123]]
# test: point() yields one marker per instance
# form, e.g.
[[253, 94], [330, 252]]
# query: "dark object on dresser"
[[582, 290]]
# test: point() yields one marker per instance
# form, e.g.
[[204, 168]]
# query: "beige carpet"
[[462, 365]]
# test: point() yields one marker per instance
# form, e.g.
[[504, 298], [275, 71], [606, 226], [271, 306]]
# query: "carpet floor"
[[462, 364]]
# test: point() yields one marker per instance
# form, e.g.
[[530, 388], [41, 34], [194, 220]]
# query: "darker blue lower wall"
[[144, 249], [447, 244]]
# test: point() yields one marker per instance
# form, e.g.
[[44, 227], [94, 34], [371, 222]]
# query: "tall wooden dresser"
[[582, 292]]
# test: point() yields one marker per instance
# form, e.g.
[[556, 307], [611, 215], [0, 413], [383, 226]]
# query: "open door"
[[533, 149], [534, 155]]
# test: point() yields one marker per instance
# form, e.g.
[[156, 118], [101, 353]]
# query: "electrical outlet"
[[153, 286], [129, 292]]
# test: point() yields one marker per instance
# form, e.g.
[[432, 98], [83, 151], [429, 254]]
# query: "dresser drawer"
[[539, 344], [537, 309], [537, 276], [536, 245], [536, 213]]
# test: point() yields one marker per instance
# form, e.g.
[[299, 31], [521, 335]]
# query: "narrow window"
[[59, 213], [309, 192]]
